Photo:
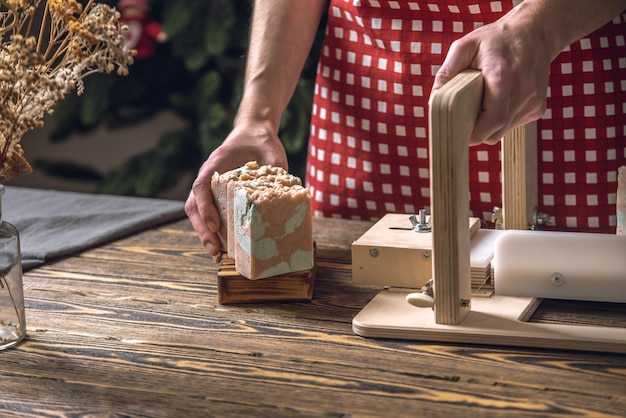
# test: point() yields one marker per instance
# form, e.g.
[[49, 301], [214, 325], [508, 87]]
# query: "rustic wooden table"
[[134, 329]]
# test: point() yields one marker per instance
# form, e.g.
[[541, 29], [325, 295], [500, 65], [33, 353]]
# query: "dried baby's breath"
[[48, 48]]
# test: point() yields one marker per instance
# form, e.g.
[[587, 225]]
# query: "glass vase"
[[12, 318]]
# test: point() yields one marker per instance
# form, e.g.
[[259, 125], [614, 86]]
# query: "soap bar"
[[224, 185], [272, 229], [219, 189], [266, 220]]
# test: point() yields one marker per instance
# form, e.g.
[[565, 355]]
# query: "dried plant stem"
[[44, 22], [6, 284], [45, 55]]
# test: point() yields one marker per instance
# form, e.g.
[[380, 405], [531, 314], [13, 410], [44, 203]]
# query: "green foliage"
[[197, 75]]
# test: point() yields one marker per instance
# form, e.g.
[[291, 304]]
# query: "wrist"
[[536, 21], [259, 113], [555, 24]]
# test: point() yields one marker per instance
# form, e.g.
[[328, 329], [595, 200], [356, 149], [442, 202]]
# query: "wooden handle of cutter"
[[453, 111]]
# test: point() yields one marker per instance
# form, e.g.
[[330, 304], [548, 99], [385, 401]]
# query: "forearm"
[[561, 22], [281, 36]]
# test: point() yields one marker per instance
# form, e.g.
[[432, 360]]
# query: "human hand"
[[515, 64], [245, 143]]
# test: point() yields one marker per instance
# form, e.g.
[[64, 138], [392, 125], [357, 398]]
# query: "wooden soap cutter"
[[456, 316]]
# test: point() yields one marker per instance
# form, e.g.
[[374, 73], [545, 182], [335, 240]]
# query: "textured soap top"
[[260, 190], [268, 173]]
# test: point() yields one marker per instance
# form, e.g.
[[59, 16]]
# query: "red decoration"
[[143, 32]]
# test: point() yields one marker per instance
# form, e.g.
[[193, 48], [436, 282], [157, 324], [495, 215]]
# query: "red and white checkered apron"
[[368, 152]]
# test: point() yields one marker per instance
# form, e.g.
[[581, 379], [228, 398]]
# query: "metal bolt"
[[543, 218], [557, 279], [538, 219], [374, 252], [422, 215], [496, 217], [420, 224]]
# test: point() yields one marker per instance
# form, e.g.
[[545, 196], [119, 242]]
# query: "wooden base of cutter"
[[498, 320], [234, 288]]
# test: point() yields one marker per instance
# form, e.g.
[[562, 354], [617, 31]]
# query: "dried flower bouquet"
[[48, 47]]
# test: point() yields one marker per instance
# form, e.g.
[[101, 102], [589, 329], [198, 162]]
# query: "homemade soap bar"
[[219, 188], [267, 214], [223, 188]]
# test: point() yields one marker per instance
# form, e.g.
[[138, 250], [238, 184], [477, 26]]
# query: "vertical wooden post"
[[620, 204], [453, 111], [519, 177]]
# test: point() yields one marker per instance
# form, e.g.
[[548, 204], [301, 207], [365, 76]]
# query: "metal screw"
[[425, 255], [374, 252], [420, 224], [543, 218], [557, 279], [538, 219], [496, 217]]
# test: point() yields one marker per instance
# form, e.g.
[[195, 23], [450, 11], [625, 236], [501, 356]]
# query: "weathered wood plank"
[[319, 368], [134, 328]]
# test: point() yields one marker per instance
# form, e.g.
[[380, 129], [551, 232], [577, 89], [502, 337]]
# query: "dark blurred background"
[[148, 133]]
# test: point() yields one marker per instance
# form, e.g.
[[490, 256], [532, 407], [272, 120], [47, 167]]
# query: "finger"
[[530, 110], [496, 116], [460, 57], [203, 198], [490, 127], [209, 240]]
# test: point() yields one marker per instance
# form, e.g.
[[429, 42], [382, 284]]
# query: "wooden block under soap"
[[234, 288]]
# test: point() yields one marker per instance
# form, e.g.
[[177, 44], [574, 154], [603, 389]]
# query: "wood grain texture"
[[232, 287], [134, 329], [453, 111], [519, 177], [392, 254]]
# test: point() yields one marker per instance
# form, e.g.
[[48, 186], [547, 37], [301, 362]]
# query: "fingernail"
[[212, 227]]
